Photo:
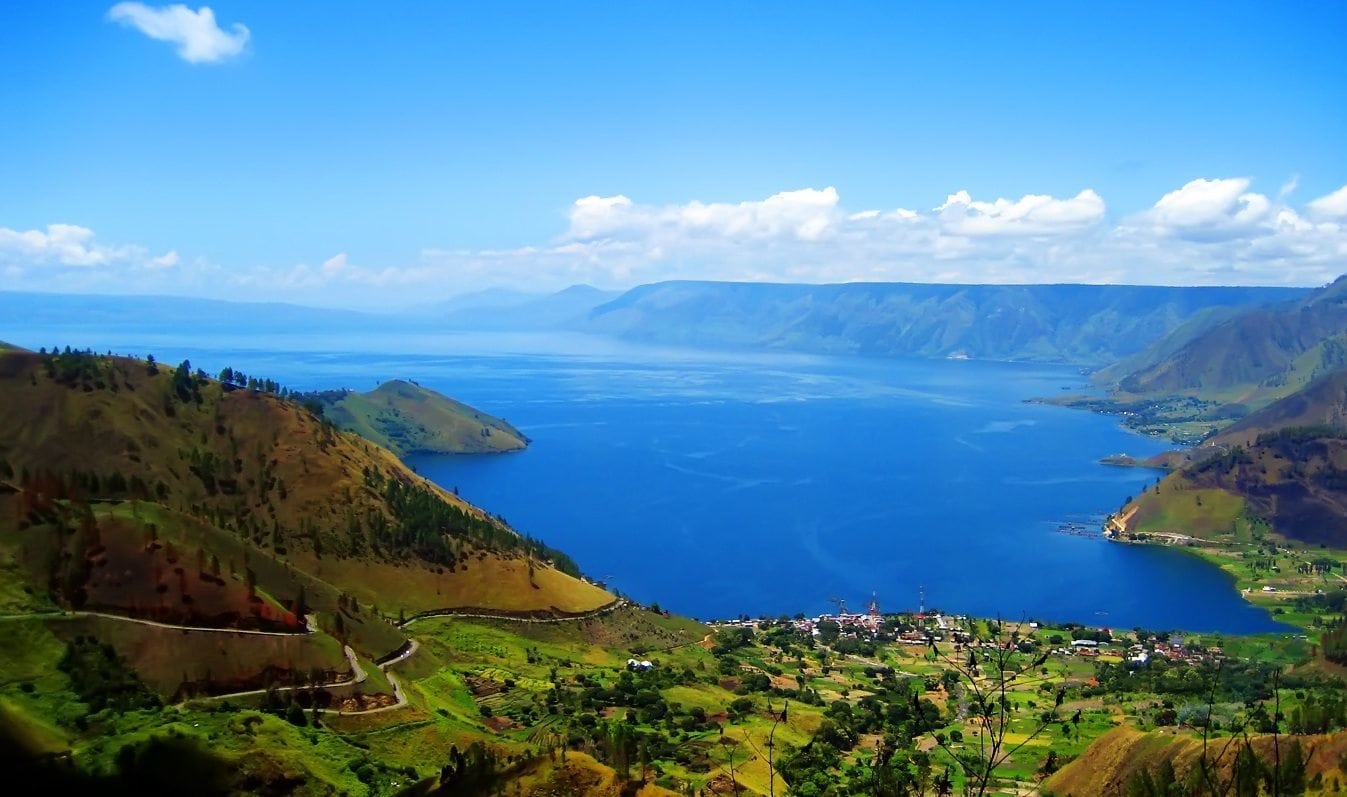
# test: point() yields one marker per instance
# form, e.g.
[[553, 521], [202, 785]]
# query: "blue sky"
[[375, 154]]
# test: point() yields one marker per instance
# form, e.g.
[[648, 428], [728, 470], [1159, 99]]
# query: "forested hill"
[[407, 418], [1081, 324], [255, 464]]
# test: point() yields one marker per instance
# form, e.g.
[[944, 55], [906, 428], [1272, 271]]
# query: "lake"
[[720, 484]]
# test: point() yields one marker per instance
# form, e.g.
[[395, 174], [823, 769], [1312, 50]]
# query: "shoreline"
[[1273, 593]]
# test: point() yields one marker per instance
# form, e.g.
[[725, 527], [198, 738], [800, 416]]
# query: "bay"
[[720, 483]]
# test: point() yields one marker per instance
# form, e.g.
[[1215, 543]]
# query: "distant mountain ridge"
[[517, 311], [1080, 324], [1087, 325]]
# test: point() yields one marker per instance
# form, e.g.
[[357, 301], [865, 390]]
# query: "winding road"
[[358, 674], [76, 614], [477, 614]]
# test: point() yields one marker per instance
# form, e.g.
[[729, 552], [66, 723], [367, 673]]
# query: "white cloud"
[[1209, 209], [70, 247], [1209, 231], [1032, 214], [334, 264], [806, 215], [61, 244], [167, 260], [199, 39], [1332, 206]]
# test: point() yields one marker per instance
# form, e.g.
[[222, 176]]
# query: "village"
[[923, 628]]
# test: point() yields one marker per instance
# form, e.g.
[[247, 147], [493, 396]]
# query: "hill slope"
[[1085, 324], [1322, 403], [1117, 762], [408, 419], [248, 475], [1253, 357], [1294, 479]]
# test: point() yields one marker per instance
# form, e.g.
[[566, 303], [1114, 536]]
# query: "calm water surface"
[[720, 484]]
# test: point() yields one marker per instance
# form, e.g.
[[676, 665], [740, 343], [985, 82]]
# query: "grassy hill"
[[1321, 403], [211, 588], [160, 470], [1294, 479], [1283, 466], [245, 461], [1251, 357], [165, 537], [409, 419], [1118, 761]]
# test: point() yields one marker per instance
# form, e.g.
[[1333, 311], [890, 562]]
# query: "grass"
[[1197, 512], [32, 734], [489, 581], [289, 489], [407, 418]]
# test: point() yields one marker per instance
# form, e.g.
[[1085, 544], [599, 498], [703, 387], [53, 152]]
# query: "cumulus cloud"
[[1032, 214], [198, 38], [61, 244], [335, 263], [1207, 209], [805, 215], [69, 257], [167, 260], [1332, 206], [1214, 231], [1208, 231]]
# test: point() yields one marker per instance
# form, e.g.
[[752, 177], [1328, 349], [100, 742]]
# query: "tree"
[[986, 686], [1291, 771]]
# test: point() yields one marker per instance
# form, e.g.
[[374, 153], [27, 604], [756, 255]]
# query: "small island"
[[409, 419]]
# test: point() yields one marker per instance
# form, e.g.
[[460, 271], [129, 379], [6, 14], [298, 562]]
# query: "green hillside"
[[1321, 403], [1127, 761], [1252, 357], [1223, 364], [409, 419], [208, 587], [1293, 479]]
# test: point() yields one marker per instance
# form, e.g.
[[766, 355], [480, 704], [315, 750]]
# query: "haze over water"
[[725, 484]]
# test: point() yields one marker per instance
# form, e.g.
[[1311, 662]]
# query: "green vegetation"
[[206, 584], [176, 551], [1210, 374], [408, 419]]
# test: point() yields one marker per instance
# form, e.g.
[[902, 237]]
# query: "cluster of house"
[[940, 627], [1174, 650], [1140, 653], [1088, 648], [871, 624]]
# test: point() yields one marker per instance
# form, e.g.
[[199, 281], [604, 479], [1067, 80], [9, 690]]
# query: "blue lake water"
[[719, 484]]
